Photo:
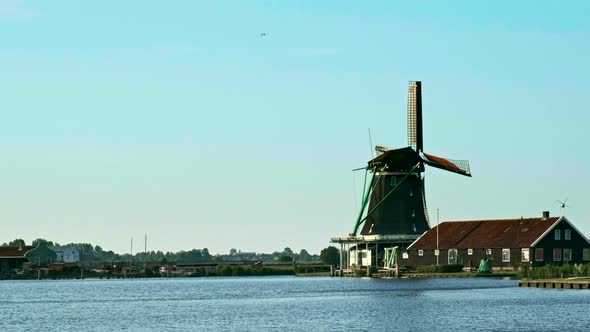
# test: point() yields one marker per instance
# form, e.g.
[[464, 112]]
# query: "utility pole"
[[130, 255], [437, 249], [145, 254]]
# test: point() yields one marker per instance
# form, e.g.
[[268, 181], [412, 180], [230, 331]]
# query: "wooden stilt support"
[[377, 255], [368, 260], [341, 257]]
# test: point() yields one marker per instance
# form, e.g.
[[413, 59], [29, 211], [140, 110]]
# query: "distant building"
[[13, 257], [506, 243], [67, 254], [42, 255]]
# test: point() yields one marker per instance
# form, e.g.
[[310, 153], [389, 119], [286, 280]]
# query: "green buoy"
[[484, 266]]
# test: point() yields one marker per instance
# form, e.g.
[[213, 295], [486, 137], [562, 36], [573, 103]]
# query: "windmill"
[[393, 197]]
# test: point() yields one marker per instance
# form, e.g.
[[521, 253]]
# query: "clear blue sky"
[[177, 119]]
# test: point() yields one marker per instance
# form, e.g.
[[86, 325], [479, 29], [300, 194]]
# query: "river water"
[[290, 303]]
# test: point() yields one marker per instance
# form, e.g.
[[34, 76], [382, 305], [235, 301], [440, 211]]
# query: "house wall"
[[548, 243], [428, 258], [469, 261], [496, 262], [66, 254], [7, 264], [361, 257], [71, 255]]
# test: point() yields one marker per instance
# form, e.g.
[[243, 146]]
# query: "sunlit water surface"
[[290, 303]]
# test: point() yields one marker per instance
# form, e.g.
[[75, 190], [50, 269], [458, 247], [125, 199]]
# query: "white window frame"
[[436, 252], [420, 252], [470, 252], [405, 255], [567, 234], [489, 252], [542, 256], [567, 257], [557, 234], [525, 258], [560, 254], [505, 255], [456, 256]]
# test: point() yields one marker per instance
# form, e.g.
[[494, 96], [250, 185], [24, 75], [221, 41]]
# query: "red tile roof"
[[12, 252], [502, 233]]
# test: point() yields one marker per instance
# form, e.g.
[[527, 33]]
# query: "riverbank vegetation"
[[90, 253], [453, 268], [554, 271]]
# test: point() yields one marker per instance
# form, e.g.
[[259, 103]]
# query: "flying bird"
[[262, 34]]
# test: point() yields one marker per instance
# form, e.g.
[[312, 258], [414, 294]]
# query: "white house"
[[67, 254]]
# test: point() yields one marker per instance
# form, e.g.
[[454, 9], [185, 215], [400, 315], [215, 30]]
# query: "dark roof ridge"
[[505, 219]]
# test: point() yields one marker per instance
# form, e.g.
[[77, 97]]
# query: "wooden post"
[[368, 260], [341, 255], [348, 256], [396, 265], [377, 255]]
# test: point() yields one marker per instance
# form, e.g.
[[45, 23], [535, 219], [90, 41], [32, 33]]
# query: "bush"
[[360, 273], [302, 269], [525, 271], [286, 259], [238, 270], [266, 271], [554, 271], [224, 270], [427, 269], [566, 271], [244, 270], [330, 256], [452, 268]]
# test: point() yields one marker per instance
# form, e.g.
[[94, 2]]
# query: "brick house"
[[507, 243], [12, 257]]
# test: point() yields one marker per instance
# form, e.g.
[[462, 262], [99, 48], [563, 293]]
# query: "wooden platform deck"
[[556, 283]]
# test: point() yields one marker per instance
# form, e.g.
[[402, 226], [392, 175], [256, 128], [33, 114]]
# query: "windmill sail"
[[456, 166], [415, 115]]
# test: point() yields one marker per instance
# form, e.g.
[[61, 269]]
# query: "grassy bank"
[[553, 272]]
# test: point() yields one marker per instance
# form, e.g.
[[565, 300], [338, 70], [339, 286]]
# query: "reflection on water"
[[291, 303]]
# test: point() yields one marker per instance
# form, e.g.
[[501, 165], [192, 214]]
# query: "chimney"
[[20, 245], [545, 215]]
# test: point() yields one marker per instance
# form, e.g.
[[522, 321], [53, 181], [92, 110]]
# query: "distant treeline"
[[94, 253]]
